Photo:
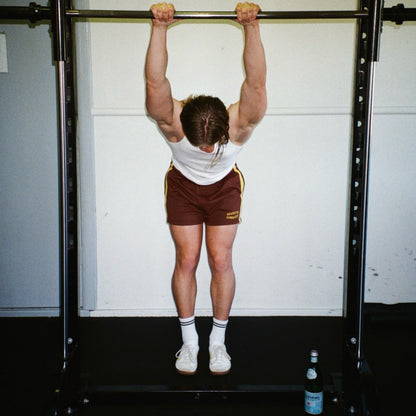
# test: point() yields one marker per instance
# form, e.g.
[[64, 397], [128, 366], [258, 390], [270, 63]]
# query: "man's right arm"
[[160, 104]]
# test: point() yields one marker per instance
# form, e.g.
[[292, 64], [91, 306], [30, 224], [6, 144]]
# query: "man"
[[203, 184]]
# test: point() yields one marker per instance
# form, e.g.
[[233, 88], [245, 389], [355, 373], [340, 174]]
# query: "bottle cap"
[[314, 353]]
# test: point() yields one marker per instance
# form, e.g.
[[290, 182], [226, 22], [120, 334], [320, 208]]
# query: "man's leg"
[[219, 240], [188, 240]]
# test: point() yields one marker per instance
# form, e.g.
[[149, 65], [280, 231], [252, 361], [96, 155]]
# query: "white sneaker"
[[219, 360], [187, 359]]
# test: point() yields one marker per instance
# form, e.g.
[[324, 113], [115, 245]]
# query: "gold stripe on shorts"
[[166, 186], [242, 184]]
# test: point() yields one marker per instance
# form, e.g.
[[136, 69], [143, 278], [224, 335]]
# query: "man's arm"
[[250, 109], [160, 104]]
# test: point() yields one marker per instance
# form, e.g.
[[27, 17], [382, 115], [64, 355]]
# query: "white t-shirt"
[[197, 165]]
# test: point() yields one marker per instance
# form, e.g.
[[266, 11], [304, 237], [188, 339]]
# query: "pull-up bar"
[[332, 14], [35, 12]]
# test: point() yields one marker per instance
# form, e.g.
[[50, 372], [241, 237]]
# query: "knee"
[[187, 262], [220, 263]]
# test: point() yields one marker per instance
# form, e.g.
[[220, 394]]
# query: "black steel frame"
[[357, 380]]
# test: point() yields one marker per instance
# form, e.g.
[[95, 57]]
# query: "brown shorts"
[[189, 204]]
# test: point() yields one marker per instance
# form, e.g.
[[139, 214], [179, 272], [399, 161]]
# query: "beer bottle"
[[314, 394]]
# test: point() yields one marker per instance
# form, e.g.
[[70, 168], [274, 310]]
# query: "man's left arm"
[[250, 109]]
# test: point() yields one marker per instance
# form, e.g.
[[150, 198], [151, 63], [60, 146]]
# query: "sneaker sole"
[[220, 373], [186, 373]]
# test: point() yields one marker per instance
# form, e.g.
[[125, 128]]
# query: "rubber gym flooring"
[[124, 355]]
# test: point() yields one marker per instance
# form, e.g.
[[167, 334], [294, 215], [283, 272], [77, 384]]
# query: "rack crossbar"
[[36, 12], [132, 14]]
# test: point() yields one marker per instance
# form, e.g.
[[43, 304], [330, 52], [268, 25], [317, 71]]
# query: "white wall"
[[391, 251], [289, 252], [29, 243]]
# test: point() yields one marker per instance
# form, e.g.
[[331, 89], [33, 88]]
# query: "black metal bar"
[[34, 13], [362, 123], [59, 30], [59, 24], [68, 390], [368, 36], [376, 23], [136, 14], [37, 13], [399, 14]]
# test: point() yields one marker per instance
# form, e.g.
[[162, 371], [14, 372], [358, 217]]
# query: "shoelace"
[[186, 353], [218, 353]]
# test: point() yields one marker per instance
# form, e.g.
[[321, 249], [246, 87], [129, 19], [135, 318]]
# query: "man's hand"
[[163, 14], [246, 12]]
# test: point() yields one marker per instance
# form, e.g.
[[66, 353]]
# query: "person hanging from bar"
[[203, 183]]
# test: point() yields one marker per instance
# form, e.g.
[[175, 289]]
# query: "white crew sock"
[[188, 329], [217, 335]]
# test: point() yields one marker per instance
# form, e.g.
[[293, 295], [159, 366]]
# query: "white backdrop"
[[289, 253]]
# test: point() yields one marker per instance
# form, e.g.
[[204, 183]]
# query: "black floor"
[[120, 356]]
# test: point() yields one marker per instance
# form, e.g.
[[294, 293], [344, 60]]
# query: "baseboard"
[[377, 312], [54, 312], [29, 312]]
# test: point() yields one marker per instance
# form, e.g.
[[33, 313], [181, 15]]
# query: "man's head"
[[205, 121]]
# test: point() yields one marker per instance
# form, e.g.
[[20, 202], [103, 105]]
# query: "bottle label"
[[314, 402], [311, 374]]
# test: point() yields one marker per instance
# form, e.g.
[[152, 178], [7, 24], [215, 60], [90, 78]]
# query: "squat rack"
[[357, 381]]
